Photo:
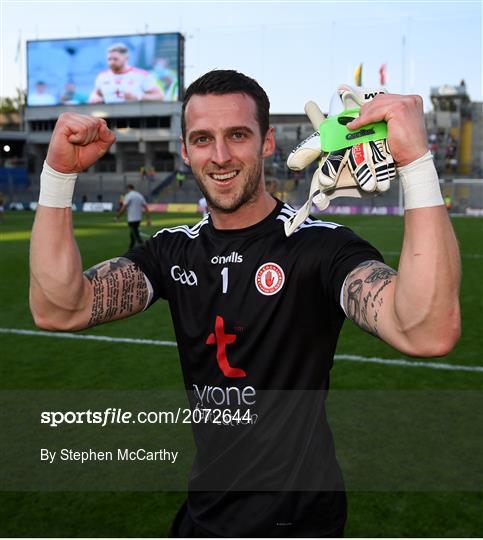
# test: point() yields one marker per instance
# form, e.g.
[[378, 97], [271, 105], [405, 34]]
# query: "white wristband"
[[56, 189], [420, 183]]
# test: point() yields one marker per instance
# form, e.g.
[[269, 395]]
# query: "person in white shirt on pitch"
[[134, 204]]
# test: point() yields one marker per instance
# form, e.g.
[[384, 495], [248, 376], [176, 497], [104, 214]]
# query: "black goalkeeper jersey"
[[257, 316]]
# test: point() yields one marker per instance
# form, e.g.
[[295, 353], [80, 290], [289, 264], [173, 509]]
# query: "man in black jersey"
[[257, 314]]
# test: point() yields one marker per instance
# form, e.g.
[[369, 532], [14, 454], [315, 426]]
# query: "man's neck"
[[249, 214]]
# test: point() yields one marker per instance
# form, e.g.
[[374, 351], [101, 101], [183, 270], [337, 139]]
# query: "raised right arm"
[[62, 297]]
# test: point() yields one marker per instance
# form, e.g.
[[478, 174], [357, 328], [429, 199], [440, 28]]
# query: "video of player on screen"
[[114, 69]]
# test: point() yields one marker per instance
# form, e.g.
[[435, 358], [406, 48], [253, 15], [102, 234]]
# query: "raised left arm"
[[416, 310]]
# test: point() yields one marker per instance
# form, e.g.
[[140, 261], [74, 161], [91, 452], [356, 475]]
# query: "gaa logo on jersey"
[[269, 279], [183, 276]]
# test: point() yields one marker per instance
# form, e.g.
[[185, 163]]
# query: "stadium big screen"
[[112, 69]]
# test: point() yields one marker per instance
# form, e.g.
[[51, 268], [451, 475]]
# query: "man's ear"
[[184, 153], [269, 143]]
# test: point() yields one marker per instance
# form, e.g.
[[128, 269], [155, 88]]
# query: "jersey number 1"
[[224, 278]]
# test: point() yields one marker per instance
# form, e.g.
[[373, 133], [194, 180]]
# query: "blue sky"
[[296, 50]]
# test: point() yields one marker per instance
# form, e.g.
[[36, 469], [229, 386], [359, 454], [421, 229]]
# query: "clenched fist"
[[406, 132], [77, 142]]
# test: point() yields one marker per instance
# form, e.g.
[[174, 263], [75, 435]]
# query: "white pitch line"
[[90, 337], [463, 255], [407, 363], [156, 342]]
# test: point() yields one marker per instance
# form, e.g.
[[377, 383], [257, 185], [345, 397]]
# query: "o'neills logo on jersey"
[[234, 257], [269, 279]]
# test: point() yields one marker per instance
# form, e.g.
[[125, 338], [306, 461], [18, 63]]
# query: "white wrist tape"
[[420, 183], [56, 189]]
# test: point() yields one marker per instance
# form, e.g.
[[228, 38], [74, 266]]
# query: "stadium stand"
[[148, 140]]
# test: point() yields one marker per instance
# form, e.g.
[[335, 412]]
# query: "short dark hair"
[[118, 47], [130, 186], [229, 81]]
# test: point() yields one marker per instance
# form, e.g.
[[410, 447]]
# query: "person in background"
[[120, 203], [41, 95], [151, 174], [271, 186], [203, 206], [448, 202], [71, 96], [180, 178], [134, 204], [166, 78]]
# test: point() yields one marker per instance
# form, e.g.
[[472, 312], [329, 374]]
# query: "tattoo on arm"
[[119, 290], [362, 293]]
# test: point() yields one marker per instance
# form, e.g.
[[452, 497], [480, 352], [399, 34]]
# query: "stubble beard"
[[118, 68], [248, 193]]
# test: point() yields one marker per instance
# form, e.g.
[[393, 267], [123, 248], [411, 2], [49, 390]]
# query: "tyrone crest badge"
[[269, 279]]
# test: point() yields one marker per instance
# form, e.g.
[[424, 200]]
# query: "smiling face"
[[225, 150]]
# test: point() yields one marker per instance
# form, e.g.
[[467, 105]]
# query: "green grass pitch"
[[41, 363]]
